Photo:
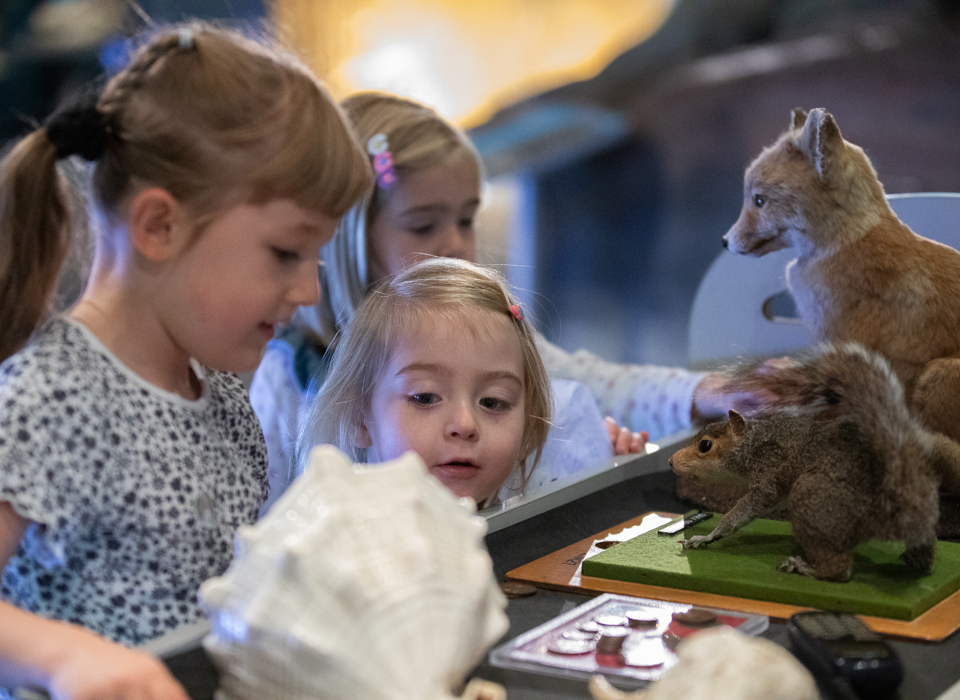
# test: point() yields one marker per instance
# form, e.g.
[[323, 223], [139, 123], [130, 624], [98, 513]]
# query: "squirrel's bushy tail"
[[852, 382]]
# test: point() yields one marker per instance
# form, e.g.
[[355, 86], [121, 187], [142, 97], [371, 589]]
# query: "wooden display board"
[[556, 570]]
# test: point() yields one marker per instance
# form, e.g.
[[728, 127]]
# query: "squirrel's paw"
[[796, 565], [919, 558], [696, 541]]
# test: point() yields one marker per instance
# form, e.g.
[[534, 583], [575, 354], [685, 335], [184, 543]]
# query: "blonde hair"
[[211, 116], [434, 288], [418, 138]]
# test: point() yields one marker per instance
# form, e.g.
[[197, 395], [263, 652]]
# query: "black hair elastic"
[[78, 128]]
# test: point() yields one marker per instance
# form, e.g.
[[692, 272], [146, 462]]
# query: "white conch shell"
[[361, 582], [721, 663]]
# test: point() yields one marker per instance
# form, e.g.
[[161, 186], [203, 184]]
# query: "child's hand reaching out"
[[623, 441], [73, 663], [97, 669]]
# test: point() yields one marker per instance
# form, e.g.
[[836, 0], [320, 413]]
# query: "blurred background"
[[615, 132]]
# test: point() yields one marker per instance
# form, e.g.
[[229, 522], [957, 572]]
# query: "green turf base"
[[745, 563]]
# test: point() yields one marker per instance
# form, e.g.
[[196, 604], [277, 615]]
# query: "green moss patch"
[[745, 563]]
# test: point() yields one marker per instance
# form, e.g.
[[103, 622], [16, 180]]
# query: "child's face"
[[246, 272], [428, 213], [453, 393]]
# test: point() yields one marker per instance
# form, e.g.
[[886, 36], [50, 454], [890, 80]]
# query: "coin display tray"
[[645, 655]]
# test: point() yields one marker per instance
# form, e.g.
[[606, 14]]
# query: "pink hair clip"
[[378, 147], [516, 311]]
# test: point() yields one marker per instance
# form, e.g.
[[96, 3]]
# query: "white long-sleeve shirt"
[[640, 397]]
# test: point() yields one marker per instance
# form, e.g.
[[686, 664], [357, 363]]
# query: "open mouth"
[[458, 468]]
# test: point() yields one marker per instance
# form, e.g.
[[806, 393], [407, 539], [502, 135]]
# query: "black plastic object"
[[841, 651]]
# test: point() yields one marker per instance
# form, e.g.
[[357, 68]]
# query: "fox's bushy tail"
[[849, 381]]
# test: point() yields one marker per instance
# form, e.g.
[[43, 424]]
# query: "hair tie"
[[378, 147], [517, 312], [78, 128]]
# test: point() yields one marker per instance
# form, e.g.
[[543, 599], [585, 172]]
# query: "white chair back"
[[742, 308]]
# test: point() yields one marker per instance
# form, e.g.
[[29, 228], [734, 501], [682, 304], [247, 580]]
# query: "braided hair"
[[216, 119]]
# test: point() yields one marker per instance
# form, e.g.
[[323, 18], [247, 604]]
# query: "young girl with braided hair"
[[129, 454]]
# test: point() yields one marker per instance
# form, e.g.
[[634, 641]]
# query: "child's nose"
[[463, 423], [456, 243], [306, 288]]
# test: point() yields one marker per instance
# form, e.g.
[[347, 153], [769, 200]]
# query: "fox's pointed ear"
[[737, 424], [820, 141], [798, 117]]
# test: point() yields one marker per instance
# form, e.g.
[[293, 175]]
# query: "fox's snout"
[[747, 237], [740, 239]]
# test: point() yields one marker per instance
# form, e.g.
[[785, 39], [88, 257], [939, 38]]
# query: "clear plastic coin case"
[[629, 639]]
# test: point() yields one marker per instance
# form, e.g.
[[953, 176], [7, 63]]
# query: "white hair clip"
[[378, 147]]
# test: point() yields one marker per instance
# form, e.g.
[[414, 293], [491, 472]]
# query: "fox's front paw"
[[696, 541]]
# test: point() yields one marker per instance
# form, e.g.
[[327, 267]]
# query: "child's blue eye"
[[494, 404], [424, 399]]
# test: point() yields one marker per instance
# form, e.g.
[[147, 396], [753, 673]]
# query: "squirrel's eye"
[[759, 200], [705, 446]]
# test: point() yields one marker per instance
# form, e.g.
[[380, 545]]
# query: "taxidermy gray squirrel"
[[838, 450]]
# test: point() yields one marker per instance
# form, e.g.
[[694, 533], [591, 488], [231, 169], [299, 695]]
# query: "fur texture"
[[841, 452], [860, 274]]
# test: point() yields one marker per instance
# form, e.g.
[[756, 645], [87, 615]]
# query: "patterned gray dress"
[[134, 492]]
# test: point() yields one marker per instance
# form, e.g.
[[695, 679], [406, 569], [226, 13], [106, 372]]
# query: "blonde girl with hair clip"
[[129, 454], [428, 210], [438, 359]]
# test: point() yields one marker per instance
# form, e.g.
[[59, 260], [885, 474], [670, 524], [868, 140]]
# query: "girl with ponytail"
[[129, 454]]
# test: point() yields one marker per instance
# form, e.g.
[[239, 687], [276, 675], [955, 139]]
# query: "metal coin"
[[696, 617], [578, 634], [670, 640], [517, 589], [642, 618], [649, 653], [611, 640], [571, 646], [588, 626], [611, 620]]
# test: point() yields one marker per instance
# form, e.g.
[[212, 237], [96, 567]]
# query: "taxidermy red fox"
[[860, 274]]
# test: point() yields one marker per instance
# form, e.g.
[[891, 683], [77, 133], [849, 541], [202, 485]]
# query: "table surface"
[[930, 668]]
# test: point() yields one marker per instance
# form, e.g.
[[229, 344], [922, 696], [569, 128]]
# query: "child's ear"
[[362, 437], [157, 222]]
